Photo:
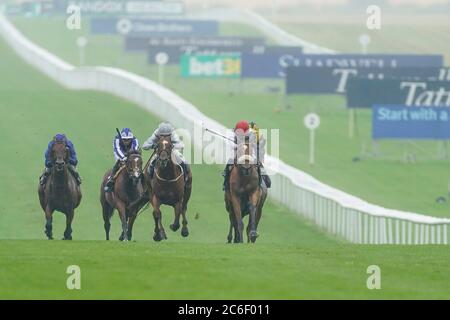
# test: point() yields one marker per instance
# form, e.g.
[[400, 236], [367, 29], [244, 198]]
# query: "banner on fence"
[[269, 65], [319, 80], [371, 60], [154, 27], [365, 93], [143, 43], [121, 7], [409, 122], [174, 53], [211, 66]]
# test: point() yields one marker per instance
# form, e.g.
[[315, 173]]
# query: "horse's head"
[[164, 151], [245, 154], [134, 165], [59, 154]]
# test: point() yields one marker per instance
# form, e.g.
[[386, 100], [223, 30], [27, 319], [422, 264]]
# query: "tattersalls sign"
[[364, 93]]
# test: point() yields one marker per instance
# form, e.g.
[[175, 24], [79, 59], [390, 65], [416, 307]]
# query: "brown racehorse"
[[61, 192], [246, 195], [168, 187], [128, 191]]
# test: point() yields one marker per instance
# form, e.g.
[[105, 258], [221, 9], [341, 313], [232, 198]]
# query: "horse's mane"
[[135, 152]]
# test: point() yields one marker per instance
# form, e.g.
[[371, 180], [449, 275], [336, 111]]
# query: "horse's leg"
[[239, 225], [107, 214], [68, 231], [260, 207], [176, 222], [186, 197], [230, 232], [48, 223], [131, 220], [123, 218], [160, 234], [252, 233]]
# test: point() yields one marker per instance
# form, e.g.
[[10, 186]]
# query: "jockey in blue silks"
[[122, 145], [73, 161]]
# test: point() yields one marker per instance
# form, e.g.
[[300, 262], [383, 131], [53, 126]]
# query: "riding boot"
[[265, 177], [151, 168], [186, 170], [226, 176], [44, 176], [109, 186], [75, 173]]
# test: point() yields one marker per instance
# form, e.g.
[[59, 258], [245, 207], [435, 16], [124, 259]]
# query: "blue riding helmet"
[[126, 133], [60, 137]]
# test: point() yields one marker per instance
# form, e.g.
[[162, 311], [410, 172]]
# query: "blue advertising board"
[[155, 27], [364, 93], [409, 122], [318, 80], [269, 65], [371, 60], [143, 43]]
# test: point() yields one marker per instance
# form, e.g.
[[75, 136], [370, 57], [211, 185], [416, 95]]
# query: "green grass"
[[291, 260], [32, 269], [386, 181]]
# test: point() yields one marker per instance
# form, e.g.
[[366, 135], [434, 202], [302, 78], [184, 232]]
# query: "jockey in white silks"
[[166, 129], [242, 129]]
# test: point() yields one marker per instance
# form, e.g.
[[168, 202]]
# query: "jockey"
[[73, 161], [243, 127], [166, 129], [122, 145]]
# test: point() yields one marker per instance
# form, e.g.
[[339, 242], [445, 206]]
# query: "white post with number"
[[364, 41], [312, 122], [161, 60], [81, 44]]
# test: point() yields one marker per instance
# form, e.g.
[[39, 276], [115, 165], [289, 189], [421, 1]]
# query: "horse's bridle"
[[164, 163], [60, 166], [133, 174], [168, 153], [245, 171]]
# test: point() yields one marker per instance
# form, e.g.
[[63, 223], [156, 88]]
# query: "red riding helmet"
[[242, 125]]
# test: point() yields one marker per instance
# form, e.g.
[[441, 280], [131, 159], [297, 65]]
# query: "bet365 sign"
[[211, 66]]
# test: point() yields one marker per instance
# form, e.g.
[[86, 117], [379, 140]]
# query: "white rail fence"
[[333, 210]]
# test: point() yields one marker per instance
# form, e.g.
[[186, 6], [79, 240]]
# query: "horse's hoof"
[[70, 238], [156, 237], [184, 232], [174, 227], [253, 236]]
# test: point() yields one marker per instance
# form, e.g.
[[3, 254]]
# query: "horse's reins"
[[170, 180]]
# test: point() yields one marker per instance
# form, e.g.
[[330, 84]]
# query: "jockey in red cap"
[[243, 127]]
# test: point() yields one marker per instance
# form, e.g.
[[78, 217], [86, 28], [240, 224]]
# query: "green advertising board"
[[211, 66]]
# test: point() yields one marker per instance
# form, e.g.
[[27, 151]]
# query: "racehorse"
[[168, 187], [246, 194], [128, 191], [61, 192]]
